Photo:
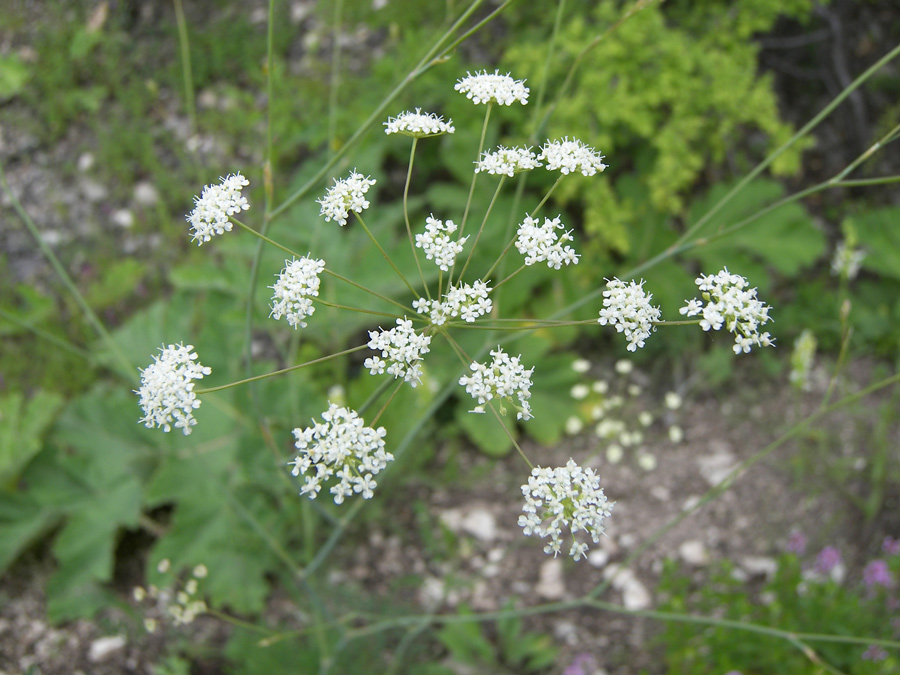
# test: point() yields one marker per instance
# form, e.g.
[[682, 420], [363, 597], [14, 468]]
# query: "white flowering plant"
[[396, 308]]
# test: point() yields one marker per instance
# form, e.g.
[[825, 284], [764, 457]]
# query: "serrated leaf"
[[22, 424]]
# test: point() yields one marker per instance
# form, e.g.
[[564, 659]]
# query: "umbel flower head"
[[437, 244], [402, 348], [541, 243], [484, 87], [213, 207], [628, 308], [567, 498], [731, 304], [507, 161], [345, 196], [297, 284], [418, 124], [465, 301], [343, 447], [568, 156], [505, 377], [167, 388]]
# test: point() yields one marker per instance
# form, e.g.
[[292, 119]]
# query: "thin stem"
[[260, 235], [412, 244], [481, 229], [65, 345], [127, 368], [509, 277], [547, 196], [186, 76], [386, 256], [367, 290], [280, 372], [334, 84], [387, 403], [334, 305]]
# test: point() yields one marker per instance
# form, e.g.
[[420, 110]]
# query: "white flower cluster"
[[846, 261], [345, 196], [465, 301], [484, 87], [402, 347], [504, 377], [540, 243], [507, 161], [297, 284], [568, 497], [437, 244], [213, 207], [628, 308], [181, 606], [569, 156], [731, 304], [167, 389], [341, 447], [418, 124]]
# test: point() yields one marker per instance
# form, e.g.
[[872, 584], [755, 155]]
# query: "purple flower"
[[828, 559], [874, 653], [891, 546], [580, 664], [877, 573], [796, 543]]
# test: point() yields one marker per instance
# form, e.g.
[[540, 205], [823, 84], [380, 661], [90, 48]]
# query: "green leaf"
[[485, 431], [879, 235], [14, 74], [22, 424], [466, 642]]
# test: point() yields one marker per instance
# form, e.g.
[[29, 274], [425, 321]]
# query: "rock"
[[635, 595], [759, 566], [551, 585], [146, 194], [102, 648], [481, 524], [694, 553], [716, 467]]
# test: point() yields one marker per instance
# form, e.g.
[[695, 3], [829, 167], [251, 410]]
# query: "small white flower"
[[541, 243], [628, 308], [581, 366], [213, 207], [437, 244], [297, 284], [614, 453], [676, 434], [507, 161], [402, 347], [345, 196], [731, 304], [846, 261], [418, 124], [484, 87], [574, 425], [465, 301], [569, 499], [579, 391], [646, 461], [673, 401], [167, 389], [343, 447], [645, 419], [569, 156], [503, 378]]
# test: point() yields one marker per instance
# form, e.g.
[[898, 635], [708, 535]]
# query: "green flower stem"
[[335, 76], [481, 229], [260, 530], [186, 76], [356, 309], [367, 290], [546, 196], [522, 324], [510, 276], [387, 403], [412, 244], [386, 256], [128, 370], [280, 372], [462, 226], [499, 258], [884, 140], [260, 235], [863, 182]]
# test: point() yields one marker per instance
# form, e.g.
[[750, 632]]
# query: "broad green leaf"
[[485, 431], [22, 424]]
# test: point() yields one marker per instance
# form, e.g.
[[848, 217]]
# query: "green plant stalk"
[[128, 371], [385, 255], [412, 244], [49, 337], [878, 471], [356, 309], [186, 75], [363, 288], [481, 229], [484, 126], [274, 373]]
